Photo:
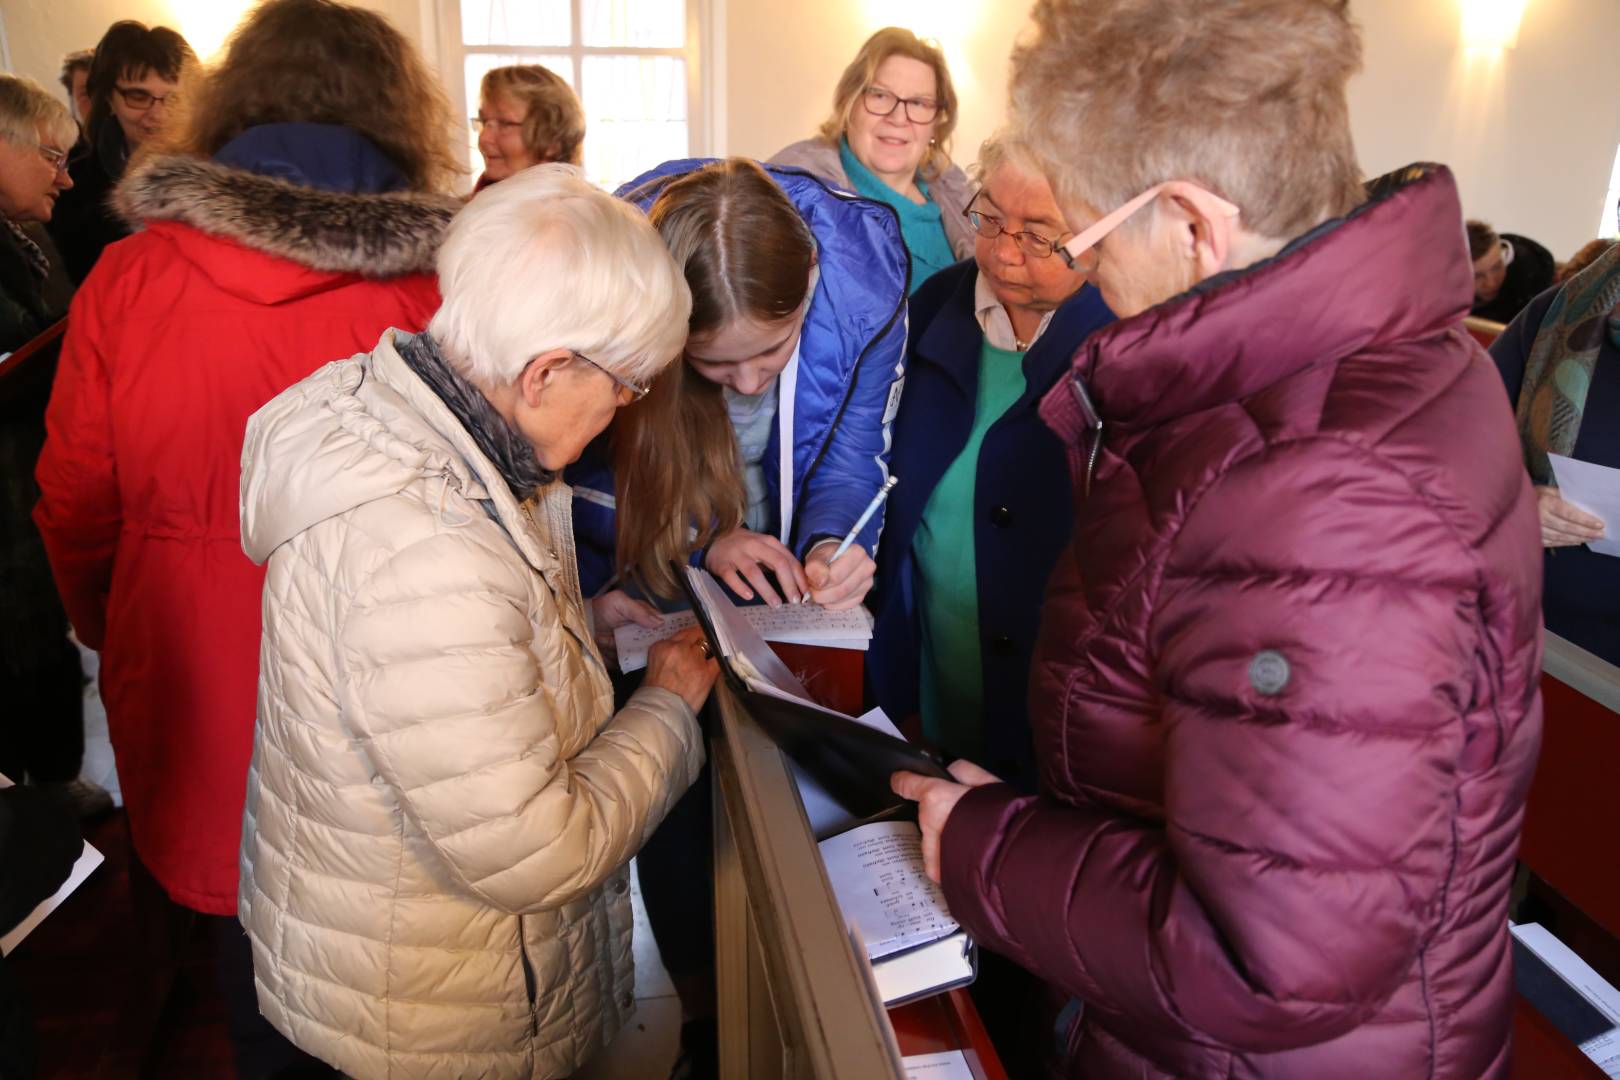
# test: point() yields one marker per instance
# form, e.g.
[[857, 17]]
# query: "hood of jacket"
[[268, 239], [1386, 273], [358, 430]]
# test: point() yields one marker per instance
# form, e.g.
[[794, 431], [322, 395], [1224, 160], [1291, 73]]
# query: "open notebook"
[[843, 765]]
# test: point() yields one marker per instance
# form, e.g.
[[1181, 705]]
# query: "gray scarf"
[[498, 440]]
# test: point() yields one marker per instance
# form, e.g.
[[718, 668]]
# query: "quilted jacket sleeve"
[[1310, 654], [456, 700], [79, 513], [856, 462]]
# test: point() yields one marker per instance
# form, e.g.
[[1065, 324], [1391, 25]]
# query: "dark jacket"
[[1581, 590], [1022, 514], [1286, 699], [84, 221], [851, 363], [1531, 271]]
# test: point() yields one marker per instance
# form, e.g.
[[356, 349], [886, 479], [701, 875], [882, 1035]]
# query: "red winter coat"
[[239, 286], [1285, 702]]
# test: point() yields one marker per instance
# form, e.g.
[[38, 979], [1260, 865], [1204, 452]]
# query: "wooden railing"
[[795, 999], [38, 349], [1570, 873]]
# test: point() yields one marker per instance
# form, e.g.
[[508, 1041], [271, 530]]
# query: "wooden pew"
[[1568, 854]]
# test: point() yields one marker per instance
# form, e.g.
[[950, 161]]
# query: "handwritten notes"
[[801, 624], [877, 874]]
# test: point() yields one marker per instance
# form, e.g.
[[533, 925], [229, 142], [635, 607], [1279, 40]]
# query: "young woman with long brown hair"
[[798, 326], [755, 455]]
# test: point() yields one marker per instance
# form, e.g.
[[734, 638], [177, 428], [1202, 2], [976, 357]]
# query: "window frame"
[[702, 72]]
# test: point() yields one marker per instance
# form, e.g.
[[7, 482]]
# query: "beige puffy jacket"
[[442, 802]]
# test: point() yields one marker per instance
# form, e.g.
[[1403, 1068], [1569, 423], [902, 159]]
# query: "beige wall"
[[1531, 134], [39, 32]]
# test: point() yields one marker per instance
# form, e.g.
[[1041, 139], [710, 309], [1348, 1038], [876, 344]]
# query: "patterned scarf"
[[38, 265], [1559, 371], [511, 453]]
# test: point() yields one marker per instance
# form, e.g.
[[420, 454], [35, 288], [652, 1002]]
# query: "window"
[[1609, 222], [633, 63]]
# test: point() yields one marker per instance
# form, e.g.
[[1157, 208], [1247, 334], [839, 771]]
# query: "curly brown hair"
[[322, 62]]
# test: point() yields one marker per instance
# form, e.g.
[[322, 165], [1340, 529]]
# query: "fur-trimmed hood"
[[374, 235]]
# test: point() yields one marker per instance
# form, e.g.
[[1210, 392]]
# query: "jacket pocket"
[[530, 989]]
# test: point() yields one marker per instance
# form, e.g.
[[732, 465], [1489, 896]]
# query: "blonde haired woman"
[[527, 115], [889, 138], [443, 802]]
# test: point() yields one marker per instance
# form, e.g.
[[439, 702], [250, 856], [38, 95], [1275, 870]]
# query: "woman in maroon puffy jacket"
[[1285, 702]]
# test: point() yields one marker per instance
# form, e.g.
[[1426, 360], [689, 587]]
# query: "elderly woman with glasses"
[[443, 801], [1286, 698], [973, 531], [527, 115], [133, 88], [889, 139]]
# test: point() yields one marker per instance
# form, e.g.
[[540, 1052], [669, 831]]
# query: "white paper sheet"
[[89, 859], [950, 1065], [876, 872], [798, 624], [825, 813], [1595, 489], [1604, 1049]]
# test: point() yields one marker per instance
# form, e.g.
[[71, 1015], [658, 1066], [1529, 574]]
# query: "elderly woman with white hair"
[[442, 803]]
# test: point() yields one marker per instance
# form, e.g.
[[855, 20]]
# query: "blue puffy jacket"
[[849, 377]]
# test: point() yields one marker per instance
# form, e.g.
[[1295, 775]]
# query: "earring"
[[933, 142]]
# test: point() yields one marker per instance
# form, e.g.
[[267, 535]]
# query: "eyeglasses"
[[881, 102], [1080, 252], [479, 123], [636, 392], [57, 158], [140, 100], [989, 226]]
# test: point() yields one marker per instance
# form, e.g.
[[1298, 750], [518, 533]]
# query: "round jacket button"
[[1001, 645], [1269, 672], [1001, 517], [626, 1001], [619, 887]]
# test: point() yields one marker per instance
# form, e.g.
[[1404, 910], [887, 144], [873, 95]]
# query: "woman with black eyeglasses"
[[134, 89], [889, 139], [974, 530]]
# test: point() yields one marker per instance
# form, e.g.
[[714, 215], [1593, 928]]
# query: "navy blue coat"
[[1022, 505]]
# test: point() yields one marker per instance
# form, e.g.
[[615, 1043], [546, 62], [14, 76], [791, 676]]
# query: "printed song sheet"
[[1595, 489], [949, 1065], [877, 874], [799, 624]]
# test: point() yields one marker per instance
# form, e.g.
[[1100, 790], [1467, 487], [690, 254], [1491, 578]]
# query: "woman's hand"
[[743, 553], [935, 800], [1563, 524], [682, 664], [618, 608], [842, 584]]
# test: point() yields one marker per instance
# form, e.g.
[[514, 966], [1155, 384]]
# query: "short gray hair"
[[1004, 147], [26, 107], [544, 260]]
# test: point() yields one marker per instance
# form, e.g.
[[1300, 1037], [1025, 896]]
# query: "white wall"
[[1531, 134], [39, 32]]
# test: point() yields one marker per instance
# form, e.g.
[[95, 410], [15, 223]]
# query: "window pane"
[[635, 115], [640, 24], [478, 63], [515, 22]]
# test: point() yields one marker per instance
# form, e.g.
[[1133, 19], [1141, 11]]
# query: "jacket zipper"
[[1094, 426], [529, 983]]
